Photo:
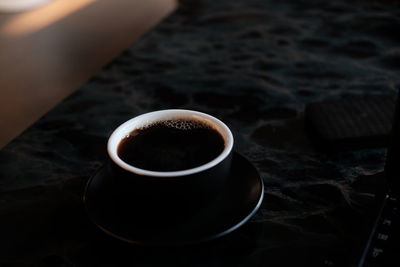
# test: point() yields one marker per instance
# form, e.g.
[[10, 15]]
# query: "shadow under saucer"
[[146, 224]]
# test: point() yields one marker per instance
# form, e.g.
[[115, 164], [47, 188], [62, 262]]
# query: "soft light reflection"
[[19, 5], [37, 19]]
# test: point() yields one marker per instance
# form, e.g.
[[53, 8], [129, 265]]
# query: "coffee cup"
[[171, 160]]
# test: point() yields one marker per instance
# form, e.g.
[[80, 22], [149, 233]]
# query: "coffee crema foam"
[[179, 124]]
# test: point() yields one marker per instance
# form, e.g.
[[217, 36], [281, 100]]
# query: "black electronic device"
[[384, 238]]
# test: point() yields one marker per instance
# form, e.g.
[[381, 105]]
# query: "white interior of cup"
[[150, 118]]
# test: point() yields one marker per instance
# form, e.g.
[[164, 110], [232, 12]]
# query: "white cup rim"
[[148, 118]]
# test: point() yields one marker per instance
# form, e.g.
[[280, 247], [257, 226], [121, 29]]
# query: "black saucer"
[[240, 201]]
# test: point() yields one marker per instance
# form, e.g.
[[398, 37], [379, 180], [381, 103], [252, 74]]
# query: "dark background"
[[253, 64]]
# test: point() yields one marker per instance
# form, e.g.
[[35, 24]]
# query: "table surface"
[[48, 52], [255, 65]]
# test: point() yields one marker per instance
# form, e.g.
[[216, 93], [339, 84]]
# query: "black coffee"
[[171, 145]]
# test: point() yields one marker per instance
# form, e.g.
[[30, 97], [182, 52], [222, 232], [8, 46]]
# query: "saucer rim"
[[180, 243]]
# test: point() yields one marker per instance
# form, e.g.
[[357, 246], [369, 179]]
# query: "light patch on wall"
[[36, 19]]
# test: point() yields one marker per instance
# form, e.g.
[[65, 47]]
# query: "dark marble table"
[[254, 64]]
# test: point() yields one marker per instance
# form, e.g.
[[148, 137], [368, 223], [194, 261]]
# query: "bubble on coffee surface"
[[171, 145], [179, 124]]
